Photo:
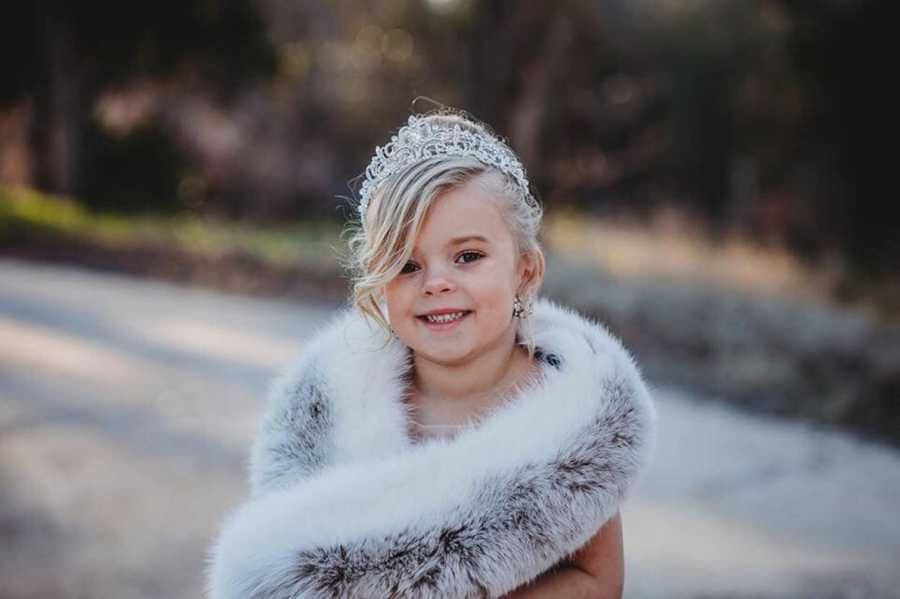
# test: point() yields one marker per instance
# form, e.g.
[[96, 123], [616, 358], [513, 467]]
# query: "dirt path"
[[127, 408]]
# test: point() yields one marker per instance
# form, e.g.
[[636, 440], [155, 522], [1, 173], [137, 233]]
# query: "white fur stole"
[[346, 505]]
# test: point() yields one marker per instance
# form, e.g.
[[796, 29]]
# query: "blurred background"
[[174, 179]]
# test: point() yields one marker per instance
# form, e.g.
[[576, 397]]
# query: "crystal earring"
[[519, 309]]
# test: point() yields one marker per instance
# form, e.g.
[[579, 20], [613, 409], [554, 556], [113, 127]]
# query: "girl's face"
[[464, 260]]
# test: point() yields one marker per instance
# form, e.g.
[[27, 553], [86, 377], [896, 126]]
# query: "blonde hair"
[[380, 247]]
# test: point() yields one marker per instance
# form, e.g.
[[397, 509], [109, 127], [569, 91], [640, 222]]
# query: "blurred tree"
[[570, 93], [61, 56], [845, 50]]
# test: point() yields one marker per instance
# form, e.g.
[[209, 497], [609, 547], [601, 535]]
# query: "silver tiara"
[[420, 139]]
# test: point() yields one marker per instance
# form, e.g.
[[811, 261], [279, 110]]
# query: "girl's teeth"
[[445, 317]]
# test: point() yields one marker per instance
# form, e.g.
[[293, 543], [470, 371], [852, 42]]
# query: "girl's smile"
[[445, 322]]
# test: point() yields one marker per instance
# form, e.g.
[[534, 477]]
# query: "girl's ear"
[[530, 272]]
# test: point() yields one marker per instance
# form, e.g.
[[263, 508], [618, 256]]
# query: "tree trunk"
[[59, 105]]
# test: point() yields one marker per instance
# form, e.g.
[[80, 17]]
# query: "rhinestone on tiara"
[[420, 139]]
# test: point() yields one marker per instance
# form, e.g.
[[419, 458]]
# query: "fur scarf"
[[345, 504]]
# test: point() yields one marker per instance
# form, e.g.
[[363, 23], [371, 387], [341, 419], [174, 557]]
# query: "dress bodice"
[[421, 432], [424, 432]]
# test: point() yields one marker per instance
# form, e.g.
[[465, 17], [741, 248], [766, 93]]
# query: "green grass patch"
[[28, 216]]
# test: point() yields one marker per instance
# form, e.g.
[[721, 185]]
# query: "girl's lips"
[[444, 326]]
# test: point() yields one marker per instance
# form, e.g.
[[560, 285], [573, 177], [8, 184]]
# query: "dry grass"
[[670, 248], [738, 321], [42, 217]]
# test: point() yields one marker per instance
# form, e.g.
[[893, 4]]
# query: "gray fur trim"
[[293, 436]]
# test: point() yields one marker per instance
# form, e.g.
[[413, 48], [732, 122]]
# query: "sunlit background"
[[718, 185]]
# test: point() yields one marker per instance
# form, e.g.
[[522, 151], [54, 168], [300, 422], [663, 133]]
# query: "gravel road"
[[127, 408]]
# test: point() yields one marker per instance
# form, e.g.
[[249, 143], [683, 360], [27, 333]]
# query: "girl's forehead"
[[463, 212], [467, 213]]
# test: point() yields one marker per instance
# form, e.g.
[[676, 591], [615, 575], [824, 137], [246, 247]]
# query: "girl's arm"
[[596, 571]]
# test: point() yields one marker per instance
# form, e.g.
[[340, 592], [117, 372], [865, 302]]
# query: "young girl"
[[449, 434]]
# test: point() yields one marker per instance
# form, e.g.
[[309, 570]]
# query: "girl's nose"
[[437, 283]]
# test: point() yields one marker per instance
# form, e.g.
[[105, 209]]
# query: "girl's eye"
[[476, 255], [410, 267]]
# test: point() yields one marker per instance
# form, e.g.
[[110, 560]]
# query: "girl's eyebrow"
[[458, 240], [463, 239]]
